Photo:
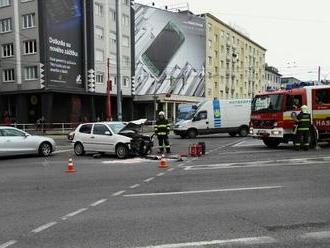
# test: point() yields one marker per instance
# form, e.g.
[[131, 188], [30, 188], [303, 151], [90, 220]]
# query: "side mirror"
[[107, 133]]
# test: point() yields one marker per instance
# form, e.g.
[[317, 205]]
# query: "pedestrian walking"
[[162, 130]]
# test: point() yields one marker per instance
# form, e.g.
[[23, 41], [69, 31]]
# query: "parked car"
[[14, 141], [118, 138]]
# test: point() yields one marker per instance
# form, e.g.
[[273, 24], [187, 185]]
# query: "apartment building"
[[235, 64], [272, 78], [47, 58]]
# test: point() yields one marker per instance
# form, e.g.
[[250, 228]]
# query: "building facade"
[[272, 78], [47, 58], [235, 65]]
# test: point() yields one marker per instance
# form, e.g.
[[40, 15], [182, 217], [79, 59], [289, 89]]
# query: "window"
[[216, 38], [98, 9], [126, 2], [99, 55], [210, 43], [99, 32], [125, 81], [113, 39], [5, 25], [126, 61], [216, 69], [113, 14], [210, 27], [4, 3], [7, 50], [113, 59], [87, 129], [201, 116], [8, 75], [323, 96], [216, 53], [210, 60], [31, 72], [30, 47], [12, 133], [99, 77], [126, 20], [125, 41], [100, 129], [29, 20], [113, 79]]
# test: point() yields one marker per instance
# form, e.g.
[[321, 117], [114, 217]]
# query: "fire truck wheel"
[[243, 131], [272, 142]]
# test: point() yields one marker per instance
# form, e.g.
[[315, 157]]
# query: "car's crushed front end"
[[140, 144]]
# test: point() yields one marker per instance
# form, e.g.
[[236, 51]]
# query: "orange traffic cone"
[[163, 163], [70, 168]]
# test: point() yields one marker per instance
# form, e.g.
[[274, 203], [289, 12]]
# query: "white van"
[[218, 116]]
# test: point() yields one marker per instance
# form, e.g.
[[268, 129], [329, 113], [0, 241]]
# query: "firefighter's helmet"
[[161, 113], [304, 109]]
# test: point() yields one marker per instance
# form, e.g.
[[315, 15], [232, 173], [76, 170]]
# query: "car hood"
[[133, 125]]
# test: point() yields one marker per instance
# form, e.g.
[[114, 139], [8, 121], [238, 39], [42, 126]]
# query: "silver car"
[[14, 141]]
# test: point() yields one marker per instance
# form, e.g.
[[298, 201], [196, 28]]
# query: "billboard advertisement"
[[169, 52], [61, 42]]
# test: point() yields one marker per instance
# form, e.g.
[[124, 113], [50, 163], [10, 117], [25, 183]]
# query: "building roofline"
[[232, 29]]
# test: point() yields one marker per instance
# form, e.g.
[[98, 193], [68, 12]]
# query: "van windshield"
[[267, 103]]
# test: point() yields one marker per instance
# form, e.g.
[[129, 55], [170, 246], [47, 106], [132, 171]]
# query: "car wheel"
[[45, 149], [272, 142], [243, 132], [79, 149], [192, 133], [121, 151], [232, 134]]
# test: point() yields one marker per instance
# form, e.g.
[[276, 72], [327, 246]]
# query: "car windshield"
[[116, 127], [267, 103]]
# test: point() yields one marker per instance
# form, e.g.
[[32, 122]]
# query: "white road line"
[[9, 243], [119, 193], [160, 174], [316, 235], [134, 186], [44, 227], [98, 202], [62, 151], [171, 169], [74, 213], [204, 191], [149, 180], [242, 241]]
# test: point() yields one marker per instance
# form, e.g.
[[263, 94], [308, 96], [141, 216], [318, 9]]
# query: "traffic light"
[[42, 76], [133, 85], [91, 80]]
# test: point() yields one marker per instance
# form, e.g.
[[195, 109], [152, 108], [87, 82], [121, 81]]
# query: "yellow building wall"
[[235, 66]]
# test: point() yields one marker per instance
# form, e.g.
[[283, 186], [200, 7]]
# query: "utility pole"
[[108, 100], [118, 35], [319, 76]]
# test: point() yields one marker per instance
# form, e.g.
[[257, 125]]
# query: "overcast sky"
[[296, 33]]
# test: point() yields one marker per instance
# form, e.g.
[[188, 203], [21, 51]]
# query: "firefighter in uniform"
[[303, 120], [162, 129]]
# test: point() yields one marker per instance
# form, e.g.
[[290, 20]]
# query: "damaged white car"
[[118, 138]]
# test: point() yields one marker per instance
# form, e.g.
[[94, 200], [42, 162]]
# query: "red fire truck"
[[272, 114]]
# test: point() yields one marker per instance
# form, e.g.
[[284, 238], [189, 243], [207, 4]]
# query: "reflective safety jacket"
[[162, 127], [304, 121]]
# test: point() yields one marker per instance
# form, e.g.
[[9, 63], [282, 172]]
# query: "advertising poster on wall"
[[169, 52], [61, 41]]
